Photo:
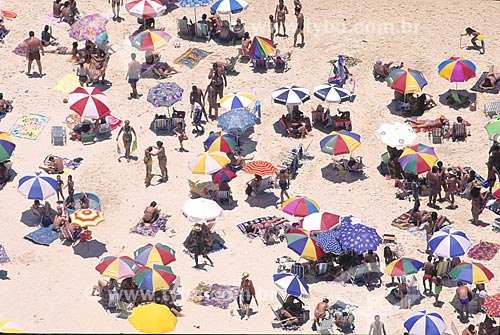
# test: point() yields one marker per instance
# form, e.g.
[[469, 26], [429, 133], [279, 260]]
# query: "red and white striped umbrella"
[[89, 102], [145, 9], [320, 221]]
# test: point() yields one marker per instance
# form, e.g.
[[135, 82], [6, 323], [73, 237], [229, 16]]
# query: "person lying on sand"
[[437, 123], [55, 166], [266, 224], [381, 70], [490, 80]]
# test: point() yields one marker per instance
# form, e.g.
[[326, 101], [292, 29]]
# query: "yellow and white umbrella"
[[208, 162], [236, 100], [10, 328], [86, 217]]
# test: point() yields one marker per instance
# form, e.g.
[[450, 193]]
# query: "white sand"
[[49, 287]]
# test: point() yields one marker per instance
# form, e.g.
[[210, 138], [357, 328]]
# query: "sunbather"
[[422, 103], [344, 320], [381, 70], [55, 166], [5, 105], [103, 287], [253, 186], [266, 224], [437, 123], [292, 309], [151, 213], [237, 161], [297, 129], [46, 210], [490, 80]]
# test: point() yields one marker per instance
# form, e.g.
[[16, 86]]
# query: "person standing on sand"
[[463, 295], [35, 47], [162, 160], [70, 184], [377, 327], [148, 162], [211, 98], [218, 78], [247, 292], [127, 138], [115, 6], [300, 27], [197, 96], [280, 15], [133, 75]]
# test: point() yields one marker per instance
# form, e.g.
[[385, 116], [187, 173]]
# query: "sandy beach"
[[47, 289]]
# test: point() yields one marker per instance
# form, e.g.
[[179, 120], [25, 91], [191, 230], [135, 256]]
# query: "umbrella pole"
[[194, 14]]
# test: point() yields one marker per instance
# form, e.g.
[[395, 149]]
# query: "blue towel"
[[215, 247], [43, 236]]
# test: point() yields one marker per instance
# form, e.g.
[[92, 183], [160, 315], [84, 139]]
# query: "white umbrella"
[[290, 95], [332, 93], [38, 186], [202, 210], [320, 221], [425, 323], [449, 243], [208, 162], [396, 134]]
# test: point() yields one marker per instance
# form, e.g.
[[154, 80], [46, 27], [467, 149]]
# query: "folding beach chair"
[[459, 132], [326, 326], [58, 135], [492, 108], [183, 28], [123, 310], [201, 31]]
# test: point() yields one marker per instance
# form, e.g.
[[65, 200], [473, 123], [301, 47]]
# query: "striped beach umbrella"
[[223, 176], [151, 40], [290, 95], [228, 6], [449, 243], [220, 141], [159, 277], [418, 159], [10, 328], [472, 273], [491, 305], [320, 221], [236, 100], [150, 254], [403, 267], [331, 93], [208, 162], [457, 69], [291, 284], [145, 9], [7, 146], [406, 80], [86, 217], [89, 102], [260, 168], [153, 319], [340, 142], [192, 4], [117, 267], [425, 323], [303, 244], [300, 206], [328, 242], [39, 186], [261, 48]]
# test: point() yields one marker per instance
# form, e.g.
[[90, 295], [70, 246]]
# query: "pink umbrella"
[[145, 9], [321, 221], [89, 102]]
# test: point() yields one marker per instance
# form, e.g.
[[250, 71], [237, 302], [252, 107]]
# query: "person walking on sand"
[[219, 79], [211, 98], [82, 73], [162, 160], [199, 242], [181, 135], [35, 47], [196, 96], [280, 15], [115, 6], [272, 27], [377, 327], [247, 292], [284, 182], [133, 75], [127, 131], [300, 27], [476, 36], [148, 162]]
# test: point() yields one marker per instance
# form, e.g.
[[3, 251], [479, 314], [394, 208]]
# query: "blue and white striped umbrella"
[[425, 323], [37, 186], [292, 284], [228, 6], [449, 243], [290, 95], [237, 120], [329, 243], [332, 93]]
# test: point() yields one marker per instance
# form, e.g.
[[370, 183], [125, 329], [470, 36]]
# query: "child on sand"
[[272, 27], [181, 134], [59, 189], [70, 184], [438, 282]]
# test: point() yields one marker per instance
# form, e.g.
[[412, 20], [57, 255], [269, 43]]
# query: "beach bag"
[[134, 145]]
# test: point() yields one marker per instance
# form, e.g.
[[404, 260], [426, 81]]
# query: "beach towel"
[[476, 87], [244, 227], [340, 306], [43, 236], [192, 57], [484, 251], [3, 255], [49, 18], [218, 244], [68, 163], [22, 48], [214, 295], [97, 67], [68, 84], [401, 222], [7, 14], [28, 126], [150, 230], [113, 121]]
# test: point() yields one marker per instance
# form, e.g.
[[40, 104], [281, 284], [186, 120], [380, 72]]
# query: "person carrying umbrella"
[[199, 242], [247, 292]]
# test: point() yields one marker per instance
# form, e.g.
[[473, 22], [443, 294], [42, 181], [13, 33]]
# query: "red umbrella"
[[89, 102], [145, 9], [319, 221]]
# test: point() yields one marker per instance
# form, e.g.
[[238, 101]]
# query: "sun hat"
[[379, 62], [197, 227], [81, 61], [245, 275]]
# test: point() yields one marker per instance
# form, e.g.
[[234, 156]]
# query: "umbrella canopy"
[[303, 244], [150, 254], [223, 176], [496, 190], [493, 128], [425, 323], [260, 168], [449, 243], [208, 162], [37, 186], [202, 210], [220, 141], [159, 277], [300, 206], [358, 237], [151, 40], [10, 328], [236, 100], [332, 93], [86, 217], [403, 267], [260, 48], [491, 305], [329, 243], [238, 119], [457, 69], [228, 6], [7, 146], [290, 95], [89, 102], [472, 273], [193, 4], [117, 267], [340, 142], [145, 9], [88, 27], [396, 134], [165, 94], [153, 319], [291, 284], [406, 80], [319, 221], [418, 159]]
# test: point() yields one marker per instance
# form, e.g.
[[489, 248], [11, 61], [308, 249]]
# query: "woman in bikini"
[[280, 15], [490, 80], [127, 138], [437, 123], [478, 202], [267, 224]]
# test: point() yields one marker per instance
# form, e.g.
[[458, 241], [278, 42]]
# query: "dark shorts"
[[295, 131], [284, 186], [133, 81], [246, 297], [83, 78], [34, 56], [464, 301]]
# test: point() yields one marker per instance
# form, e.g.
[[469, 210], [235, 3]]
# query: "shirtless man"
[[463, 292], [211, 97], [151, 213], [196, 95], [373, 265], [320, 313], [280, 15], [59, 220], [377, 327], [67, 14], [34, 48], [56, 9], [381, 70], [434, 183], [428, 273], [300, 27], [437, 123], [56, 166], [162, 160], [490, 80], [218, 78], [115, 5], [430, 228]]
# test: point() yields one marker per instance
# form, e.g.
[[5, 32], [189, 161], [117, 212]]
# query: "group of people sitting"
[[297, 123], [323, 117], [154, 65], [91, 128], [218, 28], [66, 11], [344, 320], [413, 104]]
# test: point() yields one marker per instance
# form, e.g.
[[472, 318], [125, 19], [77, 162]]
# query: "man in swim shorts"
[[33, 53], [463, 293], [300, 27], [428, 271]]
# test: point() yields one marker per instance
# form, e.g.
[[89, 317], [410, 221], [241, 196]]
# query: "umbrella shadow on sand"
[[102, 86], [444, 99], [263, 200], [29, 219], [90, 249], [335, 176]]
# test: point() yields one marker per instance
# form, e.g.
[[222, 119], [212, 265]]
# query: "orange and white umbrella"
[[86, 217], [89, 102]]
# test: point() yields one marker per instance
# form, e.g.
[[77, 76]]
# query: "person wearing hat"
[[247, 291], [381, 70], [82, 73], [199, 242]]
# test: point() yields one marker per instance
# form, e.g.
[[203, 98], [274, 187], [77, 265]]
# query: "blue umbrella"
[[193, 4], [329, 243], [37, 186], [332, 93], [165, 94], [228, 6], [425, 323], [449, 243], [236, 120], [358, 237], [292, 284], [290, 95]]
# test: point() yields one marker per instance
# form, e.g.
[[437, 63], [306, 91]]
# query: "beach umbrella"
[[291, 284], [38, 186], [449, 243], [496, 190], [89, 102], [208, 162], [332, 93], [153, 319], [300, 206], [117, 267], [260, 168], [86, 217], [425, 323], [303, 244], [457, 69], [491, 305], [418, 159], [220, 141], [236, 100], [319, 221], [223, 176], [193, 4], [403, 267], [493, 128], [165, 94], [290, 95], [7, 146], [328, 242], [88, 27], [10, 328], [155, 278], [261, 48], [228, 6], [151, 40], [406, 80], [238, 120], [358, 237], [472, 273], [150, 254], [340, 142], [145, 9], [202, 210], [396, 134]]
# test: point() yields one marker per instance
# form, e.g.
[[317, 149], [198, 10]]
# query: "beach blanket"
[[43, 236], [214, 295], [245, 227], [29, 126], [493, 205], [476, 87], [147, 229], [484, 251], [68, 84], [49, 18], [340, 306], [98, 67], [401, 222], [3, 255], [192, 57], [218, 244], [22, 48], [68, 163]]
